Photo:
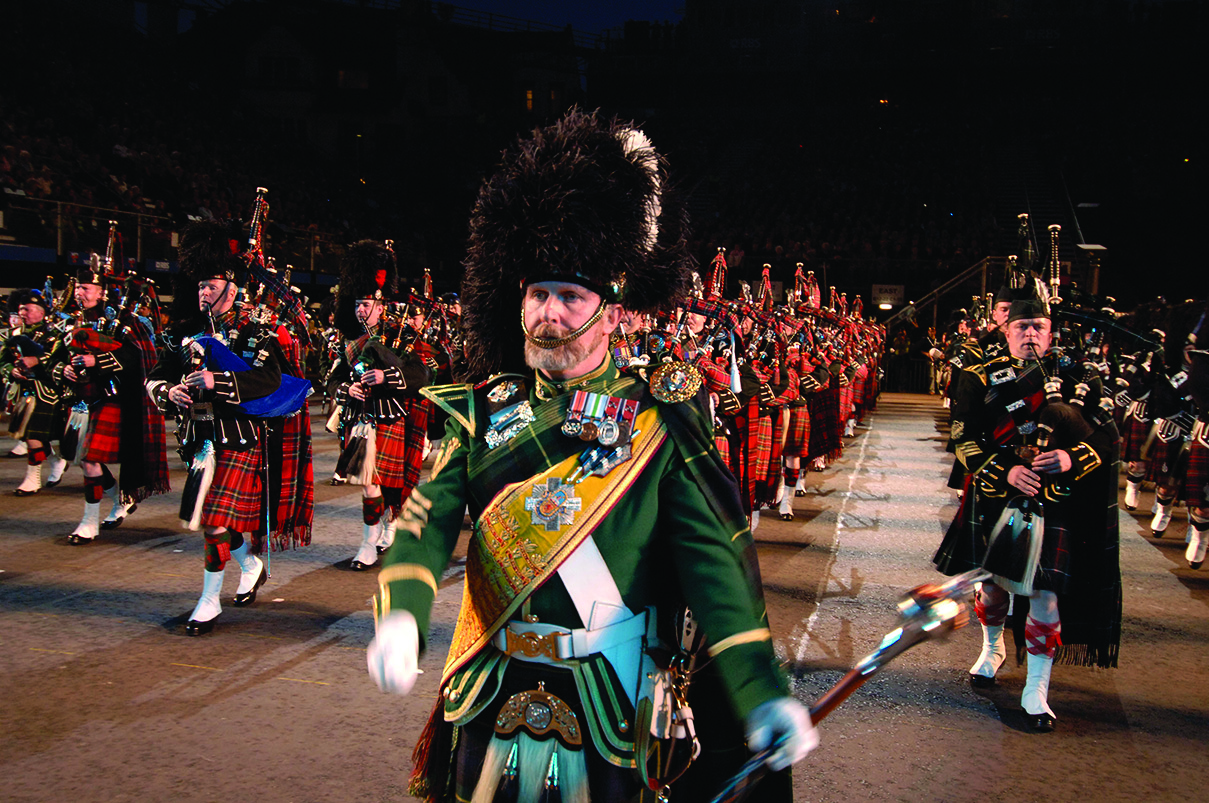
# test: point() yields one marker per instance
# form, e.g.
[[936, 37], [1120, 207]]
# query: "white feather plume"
[[639, 148]]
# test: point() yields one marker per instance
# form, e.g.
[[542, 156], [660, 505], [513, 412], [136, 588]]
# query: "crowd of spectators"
[[857, 197], [874, 198]]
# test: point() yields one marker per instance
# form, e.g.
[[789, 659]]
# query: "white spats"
[[32, 482], [993, 653], [1132, 491], [1197, 542], [1162, 517], [1035, 697], [56, 466], [90, 524], [367, 555], [208, 605]]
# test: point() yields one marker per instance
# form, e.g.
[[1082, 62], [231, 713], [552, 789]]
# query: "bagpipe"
[[275, 302]]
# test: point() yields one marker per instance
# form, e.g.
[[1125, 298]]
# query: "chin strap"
[[555, 342]]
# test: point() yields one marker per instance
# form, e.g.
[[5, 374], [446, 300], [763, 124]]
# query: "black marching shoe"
[[1040, 723], [249, 597], [981, 681], [195, 628]]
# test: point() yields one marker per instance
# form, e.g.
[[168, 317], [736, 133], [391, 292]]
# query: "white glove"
[[394, 654], [783, 717]]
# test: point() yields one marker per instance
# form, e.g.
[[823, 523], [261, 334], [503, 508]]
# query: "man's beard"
[[561, 358]]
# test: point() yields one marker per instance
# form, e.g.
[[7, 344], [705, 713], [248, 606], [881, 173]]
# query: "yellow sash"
[[510, 555]]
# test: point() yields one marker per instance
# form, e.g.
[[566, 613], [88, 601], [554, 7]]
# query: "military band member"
[[376, 379], [1040, 508], [104, 365], [600, 505], [37, 415], [227, 378]]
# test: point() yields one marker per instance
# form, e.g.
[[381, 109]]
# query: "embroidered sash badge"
[[553, 504]]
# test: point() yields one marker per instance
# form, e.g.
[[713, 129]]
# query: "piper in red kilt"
[[104, 363], [377, 379], [227, 374], [797, 433]]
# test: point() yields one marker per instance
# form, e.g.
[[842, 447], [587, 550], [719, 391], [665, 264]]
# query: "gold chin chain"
[[555, 342]]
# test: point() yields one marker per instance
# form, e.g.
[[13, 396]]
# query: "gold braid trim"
[[555, 342], [746, 637], [394, 574]]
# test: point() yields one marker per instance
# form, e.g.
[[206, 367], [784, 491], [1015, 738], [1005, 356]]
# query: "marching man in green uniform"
[[601, 507]]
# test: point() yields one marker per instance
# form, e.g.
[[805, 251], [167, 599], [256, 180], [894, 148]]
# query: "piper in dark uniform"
[[377, 379], [601, 506], [1040, 509], [26, 362], [105, 361], [227, 377]]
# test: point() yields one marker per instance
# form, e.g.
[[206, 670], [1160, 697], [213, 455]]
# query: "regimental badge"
[[1002, 375], [502, 392], [675, 381], [506, 424], [553, 504]]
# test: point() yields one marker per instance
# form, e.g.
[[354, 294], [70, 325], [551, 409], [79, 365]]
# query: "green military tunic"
[[671, 531]]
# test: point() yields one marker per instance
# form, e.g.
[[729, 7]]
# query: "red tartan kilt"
[[400, 447], [1133, 435], [391, 462], [797, 440], [763, 456], [236, 496], [723, 448], [104, 437], [1196, 478]]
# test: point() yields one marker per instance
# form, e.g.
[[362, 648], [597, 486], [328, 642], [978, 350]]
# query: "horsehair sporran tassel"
[[77, 426], [572, 774], [1014, 549], [492, 772], [533, 765], [197, 485], [366, 475]]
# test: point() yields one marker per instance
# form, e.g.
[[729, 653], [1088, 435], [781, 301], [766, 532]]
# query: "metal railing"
[[69, 227], [962, 282]]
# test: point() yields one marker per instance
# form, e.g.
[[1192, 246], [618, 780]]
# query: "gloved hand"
[[394, 654], [783, 717]]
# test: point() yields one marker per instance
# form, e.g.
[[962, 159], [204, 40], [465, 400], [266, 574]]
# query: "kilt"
[[797, 439], [723, 444], [1168, 462], [103, 441], [1196, 477], [761, 456], [296, 501], [236, 497], [847, 395], [400, 451], [1133, 435], [825, 425]]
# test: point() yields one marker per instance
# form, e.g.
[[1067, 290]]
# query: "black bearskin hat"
[[207, 251], [367, 271], [1028, 308], [584, 200], [94, 272], [26, 295]]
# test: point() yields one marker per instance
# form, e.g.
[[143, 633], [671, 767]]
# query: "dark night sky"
[[590, 17]]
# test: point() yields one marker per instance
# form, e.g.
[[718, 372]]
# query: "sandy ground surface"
[[104, 699]]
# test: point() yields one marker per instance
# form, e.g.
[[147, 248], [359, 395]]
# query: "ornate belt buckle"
[[532, 645]]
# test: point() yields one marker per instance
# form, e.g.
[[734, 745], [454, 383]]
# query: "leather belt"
[[549, 644]]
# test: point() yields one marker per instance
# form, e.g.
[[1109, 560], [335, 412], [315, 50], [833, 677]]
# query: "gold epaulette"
[[457, 400]]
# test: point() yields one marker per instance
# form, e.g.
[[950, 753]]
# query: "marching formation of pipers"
[[1048, 397], [93, 372]]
